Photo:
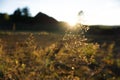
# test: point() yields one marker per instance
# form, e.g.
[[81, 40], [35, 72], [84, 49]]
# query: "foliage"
[[22, 12], [6, 17], [25, 12], [71, 58], [17, 12]]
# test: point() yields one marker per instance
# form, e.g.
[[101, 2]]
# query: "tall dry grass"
[[72, 58]]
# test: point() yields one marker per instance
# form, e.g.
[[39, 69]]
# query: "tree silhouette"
[[6, 17], [17, 15], [25, 12], [17, 12]]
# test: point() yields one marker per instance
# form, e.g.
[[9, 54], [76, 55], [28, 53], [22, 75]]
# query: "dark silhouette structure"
[[44, 19], [21, 20]]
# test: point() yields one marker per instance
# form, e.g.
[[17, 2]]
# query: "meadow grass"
[[70, 58]]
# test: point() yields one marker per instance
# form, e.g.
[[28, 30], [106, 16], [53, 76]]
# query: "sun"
[[72, 23]]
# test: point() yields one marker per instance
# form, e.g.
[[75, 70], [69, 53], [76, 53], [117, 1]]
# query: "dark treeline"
[[21, 20]]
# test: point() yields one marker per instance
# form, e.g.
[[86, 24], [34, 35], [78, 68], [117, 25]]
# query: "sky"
[[96, 12]]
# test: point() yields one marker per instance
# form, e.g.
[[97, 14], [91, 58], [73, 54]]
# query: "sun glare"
[[72, 23]]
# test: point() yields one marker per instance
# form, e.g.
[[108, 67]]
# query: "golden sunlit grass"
[[70, 58]]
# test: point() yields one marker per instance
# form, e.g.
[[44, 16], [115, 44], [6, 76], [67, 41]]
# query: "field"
[[50, 56]]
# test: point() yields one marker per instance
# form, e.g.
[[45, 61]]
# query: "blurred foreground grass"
[[46, 56]]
